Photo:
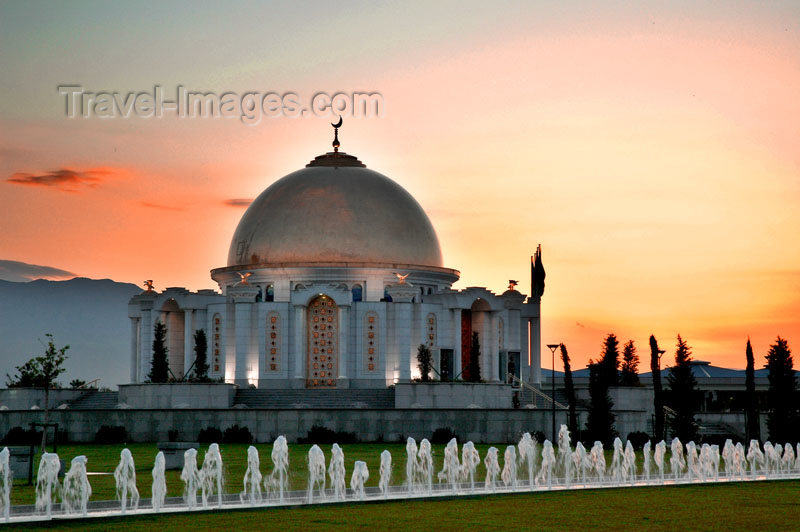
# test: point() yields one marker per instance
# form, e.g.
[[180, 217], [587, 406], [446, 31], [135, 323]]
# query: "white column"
[[344, 331], [300, 345], [134, 350], [188, 345]]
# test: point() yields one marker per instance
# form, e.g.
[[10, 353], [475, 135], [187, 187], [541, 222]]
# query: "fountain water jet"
[[76, 491], [337, 472], [316, 472], [676, 461], [755, 457], [411, 463], [565, 453], [492, 469], [159, 489], [386, 473], [358, 478], [598, 458], [279, 478], [658, 458], [469, 462], [617, 460], [190, 477], [646, 461], [692, 467], [509, 474], [211, 475], [629, 463], [548, 462], [451, 469], [47, 482], [425, 465], [125, 479], [527, 455], [252, 478], [5, 484]]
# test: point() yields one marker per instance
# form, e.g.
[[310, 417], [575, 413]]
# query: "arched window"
[[216, 342], [273, 356], [386, 296], [371, 347], [270, 295], [357, 293]]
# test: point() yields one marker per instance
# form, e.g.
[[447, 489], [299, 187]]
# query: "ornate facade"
[[334, 279]]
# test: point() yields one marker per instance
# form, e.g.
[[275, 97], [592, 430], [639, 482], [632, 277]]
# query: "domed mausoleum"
[[334, 279]]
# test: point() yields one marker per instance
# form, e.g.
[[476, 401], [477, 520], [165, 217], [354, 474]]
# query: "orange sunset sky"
[[652, 148]]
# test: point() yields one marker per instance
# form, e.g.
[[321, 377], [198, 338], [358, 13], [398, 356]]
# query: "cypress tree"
[[600, 424], [609, 363], [630, 365], [159, 366], [658, 396], [782, 395], [753, 420], [570, 391], [424, 362], [200, 356], [683, 388]]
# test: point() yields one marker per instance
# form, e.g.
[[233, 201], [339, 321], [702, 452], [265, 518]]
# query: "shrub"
[[108, 434], [320, 434], [539, 436], [209, 435], [638, 439], [20, 436], [442, 435], [237, 434]]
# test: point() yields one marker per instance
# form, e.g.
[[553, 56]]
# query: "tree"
[[600, 424], [159, 366], [753, 428], [77, 383], [41, 372], [630, 365], [658, 397], [200, 356], [475, 359], [424, 362], [782, 393], [609, 363], [570, 391], [683, 388]]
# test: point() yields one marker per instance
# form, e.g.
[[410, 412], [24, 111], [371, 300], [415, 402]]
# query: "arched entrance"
[[323, 343], [472, 320]]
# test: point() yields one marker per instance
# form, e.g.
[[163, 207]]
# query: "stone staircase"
[[95, 400], [344, 398], [528, 397]]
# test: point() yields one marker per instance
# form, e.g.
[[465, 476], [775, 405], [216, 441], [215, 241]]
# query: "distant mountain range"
[[91, 315]]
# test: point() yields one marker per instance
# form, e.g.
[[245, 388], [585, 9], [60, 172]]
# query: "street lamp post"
[[553, 348]]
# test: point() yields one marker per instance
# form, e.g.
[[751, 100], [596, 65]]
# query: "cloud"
[[63, 179], [159, 206], [238, 202], [22, 272]]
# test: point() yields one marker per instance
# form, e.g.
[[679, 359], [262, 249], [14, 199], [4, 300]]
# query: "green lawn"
[[736, 506]]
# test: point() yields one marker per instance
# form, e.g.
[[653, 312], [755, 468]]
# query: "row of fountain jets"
[[520, 462]]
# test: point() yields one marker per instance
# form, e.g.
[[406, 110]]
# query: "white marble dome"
[[335, 211]]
